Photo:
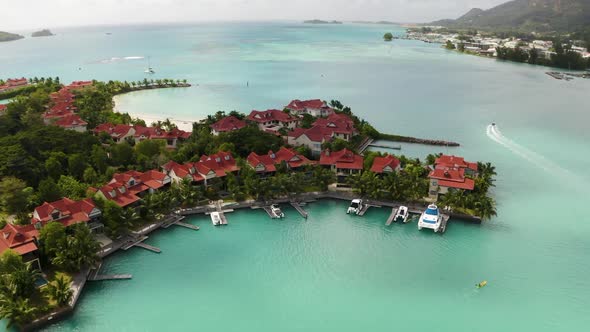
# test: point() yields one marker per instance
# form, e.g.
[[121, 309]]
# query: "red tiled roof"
[[452, 178], [446, 161], [119, 194], [264, 160], [16, 81], [380, 163], [115, 131], [344, 159], [2, 107], [300, 105], [315, 134], [336, 123], [70, 212], [21, 239], [271, 159], [228, 123], [220, 161], [270, 115], [70, 121]]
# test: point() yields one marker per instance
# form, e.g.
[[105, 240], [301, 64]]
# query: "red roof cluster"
[[62, 113], [446, 161], [305, 105], [452, 178], [2, 108], [124, 189], [13, 83], [267, 162], [270, 115], [385, 164], [229, 123], [66, 211], [324, 129], [343, 159], [140, 132], [21, 239], [215, 165]]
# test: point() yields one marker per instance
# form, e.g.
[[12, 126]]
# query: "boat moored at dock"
[[356, 206], [215, 218], [431, 219], [277, 211], [402, 214]]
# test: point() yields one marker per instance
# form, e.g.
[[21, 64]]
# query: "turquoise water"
[[335, 272]]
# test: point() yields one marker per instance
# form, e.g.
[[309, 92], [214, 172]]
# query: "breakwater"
[[408, 139]]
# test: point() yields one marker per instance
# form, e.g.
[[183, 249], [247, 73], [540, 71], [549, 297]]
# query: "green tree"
[[80, 250], [59, 289], [52, 238], [71, 188], [48, 191], [388, 36], [17, 311], [449, 45], [90, 176], [123, 154], [99, 158], [14, 196], [76, 165], [54, 168]]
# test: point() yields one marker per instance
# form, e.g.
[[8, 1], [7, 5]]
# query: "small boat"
[[277, 211], [215, 218], [430, 218], [482, 284], [402, 214], [149, 69], [355, 206]]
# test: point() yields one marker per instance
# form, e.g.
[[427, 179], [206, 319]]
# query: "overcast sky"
[[33, 14]]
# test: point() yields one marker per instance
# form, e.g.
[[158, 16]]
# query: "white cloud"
[[33, 14]]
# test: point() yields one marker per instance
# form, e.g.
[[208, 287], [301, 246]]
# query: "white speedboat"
[[277, 211], [149, 69], [402, 214], [355, 206], [215, 218], [430, 218]]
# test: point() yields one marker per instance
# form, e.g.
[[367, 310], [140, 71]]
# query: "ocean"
[[334, 271]]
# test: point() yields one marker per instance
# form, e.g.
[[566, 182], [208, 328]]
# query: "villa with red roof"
[[450, 173], [68, 212], [78, 85], [22, 240], [14, 83], [227, 124], [126, 189], [72, 122], [140, 133], [314, 107], [266, 163], [343, 162], [2, 109], [221, 161], [272, 120], [386, 164], [323, 130], [204, 171]]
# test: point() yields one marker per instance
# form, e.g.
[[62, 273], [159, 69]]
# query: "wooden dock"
[[110, 277], [366, 208], [391, 217], [443, 222], [148, 247], [270, 213], [189, 226], [299, 209]]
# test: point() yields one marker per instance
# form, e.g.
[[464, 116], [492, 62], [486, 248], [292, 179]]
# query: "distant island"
[[42, 33], [7, 36], [322, 22]]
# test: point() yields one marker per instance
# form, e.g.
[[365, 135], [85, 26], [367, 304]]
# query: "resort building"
[[22, 240], [140, 133], [204, 171], [72, 122], [126, 189], [68, 212], [343, 163], [220, 162], [267, 163], [272, 120], [227, 124], [386, 164], [314, 107], [78, 85], [14, 83], [323, 130], [450, 172]]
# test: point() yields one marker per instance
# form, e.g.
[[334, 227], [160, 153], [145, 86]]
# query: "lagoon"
[[337, 272]]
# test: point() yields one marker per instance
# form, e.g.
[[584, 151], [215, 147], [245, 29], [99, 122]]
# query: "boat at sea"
[[149, 69], [402, 214], [277, 211], [355, 206], [430, 218], [215, 218]]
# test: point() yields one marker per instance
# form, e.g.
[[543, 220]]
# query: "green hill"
[[527, 15], [7, 36]]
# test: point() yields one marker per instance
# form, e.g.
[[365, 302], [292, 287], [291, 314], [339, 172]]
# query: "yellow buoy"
[[481, 284]]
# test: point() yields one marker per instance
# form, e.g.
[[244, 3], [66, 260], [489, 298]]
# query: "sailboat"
[[149, 69]]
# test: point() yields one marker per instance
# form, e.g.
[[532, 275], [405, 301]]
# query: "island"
[[321, 22], [125, 179], [7, 36], [42, 33]]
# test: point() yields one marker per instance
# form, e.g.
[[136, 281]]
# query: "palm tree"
[[59, 289], [24, 279], [184, 81], [129, 218], [17, 311]]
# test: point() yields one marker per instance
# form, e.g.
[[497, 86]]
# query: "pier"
[[365, 145], [221, 212], [185, 225], [384, 146], [270, 213], [443, 222], [139, 243], [391, 217], [299, 209], [110, 277]]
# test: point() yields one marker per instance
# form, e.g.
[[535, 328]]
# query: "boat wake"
[[533, 157]]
